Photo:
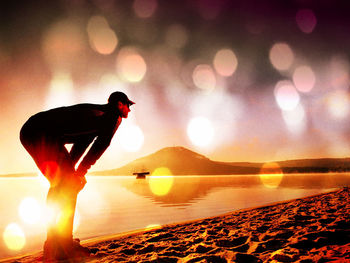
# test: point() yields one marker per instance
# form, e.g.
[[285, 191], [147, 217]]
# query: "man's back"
[[77, 120]]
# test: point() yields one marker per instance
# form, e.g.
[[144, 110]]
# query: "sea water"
[[115, 204]]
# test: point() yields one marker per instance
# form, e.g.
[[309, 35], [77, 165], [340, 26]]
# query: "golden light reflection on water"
[[161, 181], [91, 199], [271, 175], [152, 226], [14, 237]]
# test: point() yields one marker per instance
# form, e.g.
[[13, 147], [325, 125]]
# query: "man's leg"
[[54, 161], [62, 197]]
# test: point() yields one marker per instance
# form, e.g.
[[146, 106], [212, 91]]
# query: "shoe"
[[66, 250], [79, 249], [53, 251]]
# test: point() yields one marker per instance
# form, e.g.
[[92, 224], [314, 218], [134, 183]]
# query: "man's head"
[[122, 102]]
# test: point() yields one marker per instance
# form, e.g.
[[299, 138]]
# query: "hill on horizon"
[[182, 161]]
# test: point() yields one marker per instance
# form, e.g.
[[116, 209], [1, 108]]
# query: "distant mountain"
[[182, 161], [316, 165]]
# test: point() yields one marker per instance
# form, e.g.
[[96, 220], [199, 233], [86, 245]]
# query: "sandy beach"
[[311, 229]]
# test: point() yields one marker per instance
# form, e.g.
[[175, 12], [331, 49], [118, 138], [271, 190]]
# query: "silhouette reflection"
[[186, 190]]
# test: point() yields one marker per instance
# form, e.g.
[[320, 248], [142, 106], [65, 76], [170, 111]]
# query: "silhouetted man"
[[44, 136]]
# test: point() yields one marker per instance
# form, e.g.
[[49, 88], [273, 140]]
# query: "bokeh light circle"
[[200, 131], [304, 78], [338, 104], [105, 41], [161, 181], [145, 8], [131, 138], [61, 90], [295, 119], [339, 69], [63, 43], [43, 181], [204, 77], [30, 210], [102, 38], [225, 62], [281, 56], [306, 20], [14, 237], [271, 175], [130, 65], [286, 95]]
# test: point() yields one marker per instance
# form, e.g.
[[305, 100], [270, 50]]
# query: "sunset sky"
[[233, 80]]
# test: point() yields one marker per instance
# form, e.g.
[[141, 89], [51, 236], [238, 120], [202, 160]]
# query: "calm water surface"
[[112, 204]]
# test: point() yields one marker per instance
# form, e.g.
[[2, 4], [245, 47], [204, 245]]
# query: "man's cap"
[[120, 96]]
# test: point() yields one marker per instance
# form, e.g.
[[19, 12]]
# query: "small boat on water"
[[141, 175]]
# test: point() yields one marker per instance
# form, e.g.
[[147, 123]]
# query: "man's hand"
[[81, 171], [81, 180]]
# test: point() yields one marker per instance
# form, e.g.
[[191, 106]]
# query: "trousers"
[[54, 161]]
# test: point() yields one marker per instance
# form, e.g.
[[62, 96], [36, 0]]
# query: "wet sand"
[[311, 229]]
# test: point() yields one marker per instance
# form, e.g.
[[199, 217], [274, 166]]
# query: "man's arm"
[[97, 149], [79, 148], [99, 146]]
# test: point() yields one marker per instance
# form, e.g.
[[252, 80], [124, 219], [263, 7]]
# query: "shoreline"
[[105, 174], [305, 229]]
